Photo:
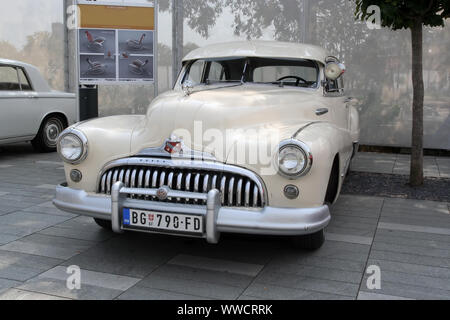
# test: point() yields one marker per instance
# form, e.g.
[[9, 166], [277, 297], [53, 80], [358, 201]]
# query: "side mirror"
[[334, 70]]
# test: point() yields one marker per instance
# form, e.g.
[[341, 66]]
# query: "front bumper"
[[266, 221]]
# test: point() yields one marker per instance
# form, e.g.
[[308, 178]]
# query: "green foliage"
[[400, 14]]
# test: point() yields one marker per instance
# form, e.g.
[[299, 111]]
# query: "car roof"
[[259, 48], [37, 81], [15, 63]]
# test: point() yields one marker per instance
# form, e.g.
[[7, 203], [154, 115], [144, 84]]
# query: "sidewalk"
[[399, 164]]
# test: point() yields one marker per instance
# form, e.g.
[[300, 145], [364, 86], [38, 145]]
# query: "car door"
[[16, 104], [339, 103]]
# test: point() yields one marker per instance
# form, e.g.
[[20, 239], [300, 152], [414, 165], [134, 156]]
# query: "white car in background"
[[29, 109]]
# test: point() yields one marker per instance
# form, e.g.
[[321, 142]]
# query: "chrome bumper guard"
[[210, 213], [218, 219]]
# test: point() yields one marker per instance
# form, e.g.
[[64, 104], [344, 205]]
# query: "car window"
[[8, 79], [216, 72], [26, 86], [195, 72], [273, 73]]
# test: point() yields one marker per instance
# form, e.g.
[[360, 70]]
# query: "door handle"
[[321, 111]]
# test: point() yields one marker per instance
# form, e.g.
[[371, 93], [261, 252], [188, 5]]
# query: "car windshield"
[[283, 72]]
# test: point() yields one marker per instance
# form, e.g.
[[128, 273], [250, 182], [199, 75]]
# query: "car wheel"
[[309, 242], [105, 224], [48, 134]]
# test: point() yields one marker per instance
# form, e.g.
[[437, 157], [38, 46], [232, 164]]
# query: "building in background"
[[378, 61]]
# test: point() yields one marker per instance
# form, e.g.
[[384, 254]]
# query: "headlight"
[[72, 146], [294, 159]]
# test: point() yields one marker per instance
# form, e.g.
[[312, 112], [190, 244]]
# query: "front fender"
[[108, 139]]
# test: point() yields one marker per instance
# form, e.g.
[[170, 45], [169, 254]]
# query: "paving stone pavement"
[[409, 240], [438, 167]]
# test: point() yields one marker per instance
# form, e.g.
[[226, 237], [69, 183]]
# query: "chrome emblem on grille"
[[173, 147], [162, 193]]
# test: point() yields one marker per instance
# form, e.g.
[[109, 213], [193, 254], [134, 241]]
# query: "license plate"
[[162, 221]]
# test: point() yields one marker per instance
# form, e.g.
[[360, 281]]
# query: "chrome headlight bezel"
[[83, 144], [305, 151]]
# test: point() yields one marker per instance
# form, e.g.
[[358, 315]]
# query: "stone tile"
[[411, 268], [322, 261], [21, 267], [192, 287], [16, 294], [143, 293], [425, 282], [424, 260], [49, 246], [325, 273], [47, 210], [92, 278], [275, 292], [30, 220], [416, 239], [59, 288], [56, 163], [309, 284], [216, 265], [349, 238], [132, 255], [411, 291], [363, 295], [6, 284], [420, 251], [217, 277], [81, 234], [47, 186], [413, 228], [7, 238]]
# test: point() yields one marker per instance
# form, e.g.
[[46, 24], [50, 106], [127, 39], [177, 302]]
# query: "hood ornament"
[[173, 147]]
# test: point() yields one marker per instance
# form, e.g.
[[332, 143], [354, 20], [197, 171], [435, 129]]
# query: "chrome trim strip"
[[155, 179], [239, 193], [231, 191], [247, 194], [222, 188], [206, 183], [304, 127], [190, 164], [162, 179], [255, 196], [188, 182]]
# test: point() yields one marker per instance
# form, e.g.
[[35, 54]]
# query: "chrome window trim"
[[189, 164]]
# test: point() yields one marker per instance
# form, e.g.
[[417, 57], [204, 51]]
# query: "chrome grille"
[[238, 188]]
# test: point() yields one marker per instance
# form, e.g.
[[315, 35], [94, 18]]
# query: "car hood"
[[246, 112]]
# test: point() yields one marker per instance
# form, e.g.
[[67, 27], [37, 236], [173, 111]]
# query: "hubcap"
[[52, 132]]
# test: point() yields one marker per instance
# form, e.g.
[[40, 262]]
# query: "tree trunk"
[[416, 174]]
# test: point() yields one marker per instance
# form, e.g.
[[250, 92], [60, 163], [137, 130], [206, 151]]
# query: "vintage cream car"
[[256, 137]]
